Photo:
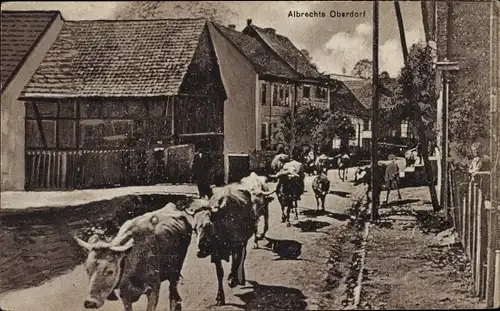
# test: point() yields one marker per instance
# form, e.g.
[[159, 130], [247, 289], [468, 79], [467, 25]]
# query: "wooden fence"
[[83, 169], [477, 223]]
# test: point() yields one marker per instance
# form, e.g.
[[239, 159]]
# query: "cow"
[[223, 226], [343, 163], [278, 161], [321, 187], [259, 189], [155, 249], [289, 184]]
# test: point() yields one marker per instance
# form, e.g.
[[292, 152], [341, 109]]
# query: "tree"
[[220, 12], [308, 57], [416, 100], [363, 69], [315, 125]]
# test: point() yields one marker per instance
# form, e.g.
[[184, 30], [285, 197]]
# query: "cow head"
[[204, 227], [104, 267]]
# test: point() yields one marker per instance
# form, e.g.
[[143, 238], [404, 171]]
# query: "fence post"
[[496, 298], [474, 232], [479, 243], [490, 268]]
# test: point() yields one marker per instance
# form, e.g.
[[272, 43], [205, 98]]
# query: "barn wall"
[[102, 123], [240, 82], [13, 113]]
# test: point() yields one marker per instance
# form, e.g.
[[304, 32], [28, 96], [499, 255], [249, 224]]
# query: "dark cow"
[[290, 189], [155, 250], [258, 187], [223, 227], [321, 187], [343, 163]]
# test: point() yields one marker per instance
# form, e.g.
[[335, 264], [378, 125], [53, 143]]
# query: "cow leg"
[[241, 267], [153, 296], [323, 202], [127, 302], [317, 202], [220, 300], [265, 214], [175, 298], [233, 279], [296, 207], [290, 206]]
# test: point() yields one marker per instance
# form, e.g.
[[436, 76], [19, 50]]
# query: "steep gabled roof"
[[20, 33], [363, 92], [118, 59], [264, 61], [287, 51]]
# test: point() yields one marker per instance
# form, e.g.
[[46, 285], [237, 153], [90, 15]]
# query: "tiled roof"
[[264, 62], [20, 32], [363, 92], [287, 50], [118, 59]]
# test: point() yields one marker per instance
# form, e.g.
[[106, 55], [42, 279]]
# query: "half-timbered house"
[[114, 90]]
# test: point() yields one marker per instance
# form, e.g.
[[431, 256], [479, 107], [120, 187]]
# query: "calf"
[[321, 187], [155, 251]]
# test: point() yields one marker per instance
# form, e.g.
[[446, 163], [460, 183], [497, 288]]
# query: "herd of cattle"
[[151, 248]]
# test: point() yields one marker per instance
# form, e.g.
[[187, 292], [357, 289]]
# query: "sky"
[[333, 43]]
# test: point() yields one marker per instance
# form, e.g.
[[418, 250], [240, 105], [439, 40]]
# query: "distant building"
[[26, 38], [285, 78], [357, 104]]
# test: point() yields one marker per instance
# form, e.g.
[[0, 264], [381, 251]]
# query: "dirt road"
[[272, 283]]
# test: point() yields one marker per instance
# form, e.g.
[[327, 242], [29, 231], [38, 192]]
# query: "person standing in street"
[[391, 177], [200, 169]]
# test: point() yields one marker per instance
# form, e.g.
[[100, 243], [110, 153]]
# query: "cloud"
[[344, 50]]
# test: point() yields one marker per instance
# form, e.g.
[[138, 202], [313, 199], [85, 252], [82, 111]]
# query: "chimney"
[[249, 22], [271, 30], [232, 26]]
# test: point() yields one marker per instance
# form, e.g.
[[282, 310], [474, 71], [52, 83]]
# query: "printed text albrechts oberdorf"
[[332, 14]]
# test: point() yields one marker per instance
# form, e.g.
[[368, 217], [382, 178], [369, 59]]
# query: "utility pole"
[[401, 27], [375, 99]]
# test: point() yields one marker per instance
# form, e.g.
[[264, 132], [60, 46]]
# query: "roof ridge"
[[294, 67], [136, 20]]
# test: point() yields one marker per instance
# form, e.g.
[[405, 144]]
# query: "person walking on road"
[[391, 177]]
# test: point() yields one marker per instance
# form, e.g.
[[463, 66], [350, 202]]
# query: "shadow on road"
[[267, 297], [310, 225], [285, 249], [400, 202], [343, 194], [312, 213]]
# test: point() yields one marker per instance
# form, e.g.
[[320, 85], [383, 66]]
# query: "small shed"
[[114, 90]]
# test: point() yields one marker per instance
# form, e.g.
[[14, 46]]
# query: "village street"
[[271, 283]]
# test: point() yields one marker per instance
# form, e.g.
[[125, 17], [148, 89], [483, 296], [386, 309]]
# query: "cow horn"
[[83, 244], [199, 209], [122, 248], [268, 193]]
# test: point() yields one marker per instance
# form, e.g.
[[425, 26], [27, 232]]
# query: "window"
[[404, 129], [367, 125], [288, 98], [306, 91], [275, 95], [321, 92], [264, 94]]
